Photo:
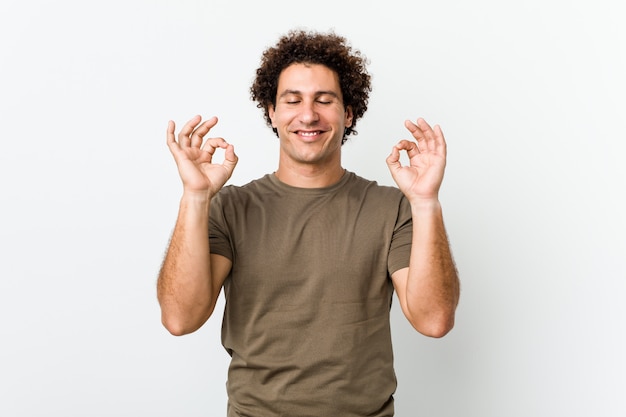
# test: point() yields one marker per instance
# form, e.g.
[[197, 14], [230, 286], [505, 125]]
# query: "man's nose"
[[309, 114]]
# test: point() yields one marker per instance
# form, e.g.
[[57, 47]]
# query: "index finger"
[[410, 147]]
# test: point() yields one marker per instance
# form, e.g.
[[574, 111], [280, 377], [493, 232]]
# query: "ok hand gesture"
[[421, 179], [194, 159]]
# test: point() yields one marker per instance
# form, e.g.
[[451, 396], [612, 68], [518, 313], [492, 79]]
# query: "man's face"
[[309, 115]]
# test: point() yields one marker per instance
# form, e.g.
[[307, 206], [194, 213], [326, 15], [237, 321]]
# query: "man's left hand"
[[421, 179]]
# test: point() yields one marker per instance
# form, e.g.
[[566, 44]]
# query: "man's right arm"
[[191, 278]]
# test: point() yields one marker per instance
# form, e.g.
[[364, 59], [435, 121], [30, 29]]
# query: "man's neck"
[[309, 176]]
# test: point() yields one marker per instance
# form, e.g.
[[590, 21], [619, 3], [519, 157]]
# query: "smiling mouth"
[[309, 134]]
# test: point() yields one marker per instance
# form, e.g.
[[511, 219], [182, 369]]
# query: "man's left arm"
[[428, 289]]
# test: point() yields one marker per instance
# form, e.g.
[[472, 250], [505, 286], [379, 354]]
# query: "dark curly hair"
[[308, 47]]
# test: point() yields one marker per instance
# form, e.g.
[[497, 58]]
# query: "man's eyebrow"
[[299, 93]]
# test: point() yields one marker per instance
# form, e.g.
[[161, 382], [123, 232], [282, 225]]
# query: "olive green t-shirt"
[[306, 319]]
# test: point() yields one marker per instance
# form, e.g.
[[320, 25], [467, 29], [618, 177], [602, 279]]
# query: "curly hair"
[[309, 47]]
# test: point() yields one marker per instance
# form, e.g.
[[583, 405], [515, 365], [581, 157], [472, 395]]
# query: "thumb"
[[230, 158], [393, 160]]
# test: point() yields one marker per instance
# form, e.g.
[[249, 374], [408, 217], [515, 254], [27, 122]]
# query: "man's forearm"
[[184, 286], [432, 291]]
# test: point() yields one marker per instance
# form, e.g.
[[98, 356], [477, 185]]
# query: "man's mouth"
[[309, 133]]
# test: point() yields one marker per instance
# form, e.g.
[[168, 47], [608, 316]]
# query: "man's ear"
[[349, 116], [270, 112]]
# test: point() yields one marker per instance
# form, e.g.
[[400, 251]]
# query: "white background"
[[531, 96]]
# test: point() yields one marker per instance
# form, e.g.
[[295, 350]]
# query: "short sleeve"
[[400, 248], [219, 233]]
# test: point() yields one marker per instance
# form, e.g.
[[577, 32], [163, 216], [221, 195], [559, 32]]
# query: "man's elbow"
[[438, 329], [434, 325], [175, 328], [178, 327]]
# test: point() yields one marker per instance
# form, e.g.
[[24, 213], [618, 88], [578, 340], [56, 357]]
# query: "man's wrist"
[[424, 206], [195, 198]]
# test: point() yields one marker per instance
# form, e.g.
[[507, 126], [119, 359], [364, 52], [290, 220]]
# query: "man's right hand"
[[199, 174]]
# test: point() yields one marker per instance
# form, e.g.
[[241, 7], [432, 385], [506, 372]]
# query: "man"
[[309, 256]]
